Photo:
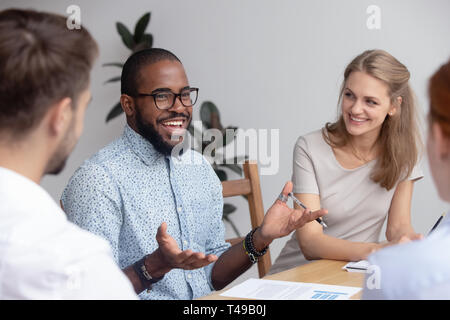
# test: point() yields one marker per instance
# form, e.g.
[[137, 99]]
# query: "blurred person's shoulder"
[[415, 270], [47, 257]]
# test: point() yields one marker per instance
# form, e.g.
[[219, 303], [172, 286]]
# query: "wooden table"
[[320, 271]]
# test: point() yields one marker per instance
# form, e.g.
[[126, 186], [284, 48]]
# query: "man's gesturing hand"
[[280, 220], [174, 257]]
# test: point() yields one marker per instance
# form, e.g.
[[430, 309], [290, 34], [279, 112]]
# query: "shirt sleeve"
[[64, 262], [97, 277], [92, 201], [416, 270], [303, 173], [416, 173], [216, 243], [373, 289]]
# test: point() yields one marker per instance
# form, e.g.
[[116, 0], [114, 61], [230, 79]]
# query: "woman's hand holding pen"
[[280, 220]]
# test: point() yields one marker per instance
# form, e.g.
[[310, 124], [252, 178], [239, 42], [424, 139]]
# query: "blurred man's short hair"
[[41, 62]]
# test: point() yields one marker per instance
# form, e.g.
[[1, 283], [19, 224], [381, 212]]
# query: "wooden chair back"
[[250, 187]]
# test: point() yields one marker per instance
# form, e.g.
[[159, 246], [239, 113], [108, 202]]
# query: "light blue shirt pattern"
[[415, 270], [125, 191]]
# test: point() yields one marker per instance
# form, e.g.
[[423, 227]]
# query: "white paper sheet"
[[286, 290], [359, 266]]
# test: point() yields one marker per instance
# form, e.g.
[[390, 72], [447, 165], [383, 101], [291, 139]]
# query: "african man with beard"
[[161, 213]]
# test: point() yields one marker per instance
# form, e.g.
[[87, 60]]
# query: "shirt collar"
[[141, 146]]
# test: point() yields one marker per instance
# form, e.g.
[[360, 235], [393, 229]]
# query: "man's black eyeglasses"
[[165, 99]]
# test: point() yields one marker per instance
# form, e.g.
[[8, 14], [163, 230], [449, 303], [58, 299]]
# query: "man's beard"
[[56, 169], [148, 131], [58, 160]]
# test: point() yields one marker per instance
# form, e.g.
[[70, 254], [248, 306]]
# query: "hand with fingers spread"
[[280, 220], [173, 257], [168, 256]]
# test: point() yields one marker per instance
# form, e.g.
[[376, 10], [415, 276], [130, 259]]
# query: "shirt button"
[[185, 242], [179, 209], [189, 276]]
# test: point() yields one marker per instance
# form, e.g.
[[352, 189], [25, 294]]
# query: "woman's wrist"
[[369, 248], [377, 246]]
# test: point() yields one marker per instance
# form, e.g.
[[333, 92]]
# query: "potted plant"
[[210, 119], [138, 41]]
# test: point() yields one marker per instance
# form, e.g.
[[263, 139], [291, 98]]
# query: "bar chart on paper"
[[328, 295], [286, 290]]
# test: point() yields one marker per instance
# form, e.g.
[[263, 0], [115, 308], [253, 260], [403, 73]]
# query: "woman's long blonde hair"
[[400, 140]]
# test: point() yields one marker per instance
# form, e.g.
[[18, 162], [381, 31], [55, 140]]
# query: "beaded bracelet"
[[249, 248]]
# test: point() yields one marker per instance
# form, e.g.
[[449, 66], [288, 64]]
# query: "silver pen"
[[294, 198]]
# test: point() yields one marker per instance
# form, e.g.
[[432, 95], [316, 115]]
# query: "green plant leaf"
[[210, 115], [140, 27], [146, 43], [112, 80], [227, 219], [227, 139], [191, 129], [233, 167], [127, 37], [147, 39], [115, 111], [221, 174], [195, 133], [113, 64], [237, 160], [228, 208]]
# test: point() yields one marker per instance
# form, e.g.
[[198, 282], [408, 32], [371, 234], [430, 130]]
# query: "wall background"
[[267, 65]]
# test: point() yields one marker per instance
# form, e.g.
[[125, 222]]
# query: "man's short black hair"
[[134, 64]]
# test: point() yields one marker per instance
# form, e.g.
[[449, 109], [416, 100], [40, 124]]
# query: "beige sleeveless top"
[[357, 206]]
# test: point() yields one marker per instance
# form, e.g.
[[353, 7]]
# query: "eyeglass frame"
[[176, 95]]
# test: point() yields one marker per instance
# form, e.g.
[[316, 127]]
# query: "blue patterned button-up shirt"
[[125, 191]]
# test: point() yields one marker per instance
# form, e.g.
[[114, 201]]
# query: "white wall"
[[267, 65]]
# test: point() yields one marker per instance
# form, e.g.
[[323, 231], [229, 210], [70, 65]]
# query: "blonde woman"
[[361, 168]]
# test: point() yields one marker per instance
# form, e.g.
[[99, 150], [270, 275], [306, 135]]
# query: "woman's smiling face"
[[365, 104]]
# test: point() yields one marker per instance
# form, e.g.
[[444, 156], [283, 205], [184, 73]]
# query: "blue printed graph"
[[327, 295]]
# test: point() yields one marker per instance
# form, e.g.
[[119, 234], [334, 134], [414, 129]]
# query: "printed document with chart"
[[287, 290]]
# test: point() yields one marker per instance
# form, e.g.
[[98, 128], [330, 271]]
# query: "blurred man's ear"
[[127, 105], [60, 116]]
